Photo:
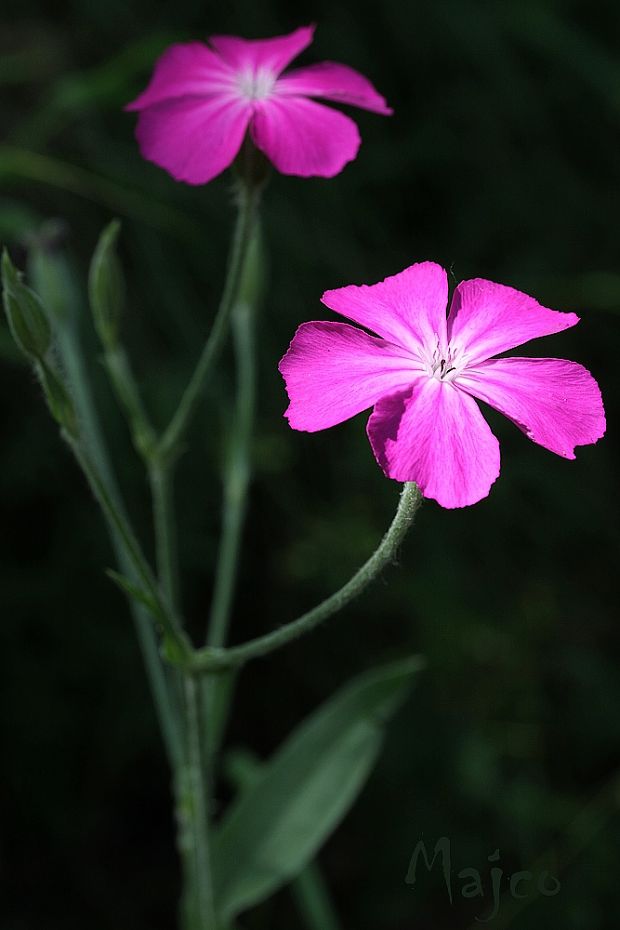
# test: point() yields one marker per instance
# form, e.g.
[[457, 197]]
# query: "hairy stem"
[[210, 659]]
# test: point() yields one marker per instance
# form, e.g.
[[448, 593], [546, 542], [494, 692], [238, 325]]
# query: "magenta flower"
[[423, 374], [201, 101]]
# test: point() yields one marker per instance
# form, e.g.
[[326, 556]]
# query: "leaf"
[[277, 825], [133, 591], [308, 887]]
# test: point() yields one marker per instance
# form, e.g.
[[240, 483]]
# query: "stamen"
[[444, 364]]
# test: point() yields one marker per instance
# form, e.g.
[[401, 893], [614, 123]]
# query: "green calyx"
[[106, 287], [26, 315]]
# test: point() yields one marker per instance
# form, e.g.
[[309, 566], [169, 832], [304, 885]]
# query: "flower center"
[[256, 85], [445, 363]]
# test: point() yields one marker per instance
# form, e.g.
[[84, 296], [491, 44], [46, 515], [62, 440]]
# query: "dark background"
[[501, 161]]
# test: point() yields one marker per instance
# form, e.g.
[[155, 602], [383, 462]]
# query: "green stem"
[[165, 536], [210, 659], [53, 281], [313, 900], [218, 690], [126, 390], [119, 525], [238, 474], [172, 438], [200, 902]]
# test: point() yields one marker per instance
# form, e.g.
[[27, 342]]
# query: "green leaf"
[[277, 825], [133, 591]]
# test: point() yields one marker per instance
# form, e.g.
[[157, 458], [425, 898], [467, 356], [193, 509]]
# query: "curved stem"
[[169, 444], [210, 659]]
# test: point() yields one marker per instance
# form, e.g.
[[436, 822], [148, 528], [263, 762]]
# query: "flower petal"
[[556, 403], [436, 436], [334, 371], [304, 138], [487, 318], [407, 308], [186, 69], [334, 82], [193, 139], [272, 54]]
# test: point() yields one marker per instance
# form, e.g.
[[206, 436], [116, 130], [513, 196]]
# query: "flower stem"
[[218, 690], [210, 659], [239, 465], [168, 446], [199, 903]]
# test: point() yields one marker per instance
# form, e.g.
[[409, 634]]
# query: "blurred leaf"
[[16, 219], [308, 888], [106, 86], [302, 793], [31, 166], [133, 591]]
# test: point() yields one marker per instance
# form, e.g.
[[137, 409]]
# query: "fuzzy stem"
[[210, 659]]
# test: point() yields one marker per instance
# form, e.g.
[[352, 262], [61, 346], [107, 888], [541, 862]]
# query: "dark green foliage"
[[501, 161]]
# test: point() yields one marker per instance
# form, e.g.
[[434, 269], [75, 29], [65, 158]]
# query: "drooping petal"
[[487, 318], [334, 371], [436, 436], [556, 403], [186, 69], [407, 308], [304, 138], [271, 54], [334, 82], [193, 139]]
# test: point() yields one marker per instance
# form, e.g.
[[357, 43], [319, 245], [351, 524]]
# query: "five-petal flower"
[[201, 100], [422, 371]]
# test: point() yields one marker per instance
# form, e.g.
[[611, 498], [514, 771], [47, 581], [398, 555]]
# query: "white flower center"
[[444, 364], [256, 85]]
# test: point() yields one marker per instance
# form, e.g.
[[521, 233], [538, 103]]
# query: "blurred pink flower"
[[202, 99], [423, 374]]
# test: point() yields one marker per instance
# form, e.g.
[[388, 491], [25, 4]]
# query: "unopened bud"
[[106, 286], [27, 318]]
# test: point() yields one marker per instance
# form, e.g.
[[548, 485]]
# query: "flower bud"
[[27, 318], [106, 286]]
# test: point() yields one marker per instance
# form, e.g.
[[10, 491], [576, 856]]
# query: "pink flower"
[[423, 371], [202, 99]]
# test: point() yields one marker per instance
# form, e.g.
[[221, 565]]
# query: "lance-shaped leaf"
[[277, 825]]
